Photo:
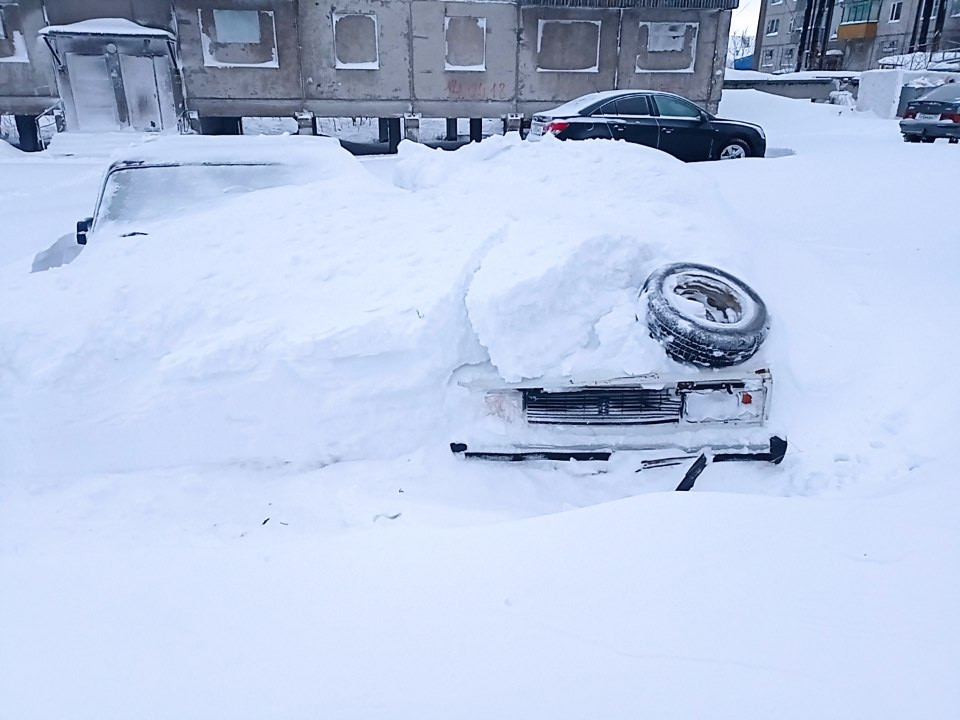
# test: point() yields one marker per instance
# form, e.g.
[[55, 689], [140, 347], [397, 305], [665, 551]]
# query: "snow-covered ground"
[[224, 483]]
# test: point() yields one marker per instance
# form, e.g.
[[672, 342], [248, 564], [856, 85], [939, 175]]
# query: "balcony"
[[859, 20]]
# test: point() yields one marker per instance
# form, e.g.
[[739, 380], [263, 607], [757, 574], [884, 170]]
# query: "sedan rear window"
[[636, 105], [670, 106], [945, 93]]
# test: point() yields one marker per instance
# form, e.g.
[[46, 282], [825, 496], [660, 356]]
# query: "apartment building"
[[851, 34], [146, 64]]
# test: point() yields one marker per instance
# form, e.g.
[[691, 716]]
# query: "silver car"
[[934, 115]]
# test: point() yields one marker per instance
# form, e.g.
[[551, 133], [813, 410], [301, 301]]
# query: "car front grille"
[[602, 406]]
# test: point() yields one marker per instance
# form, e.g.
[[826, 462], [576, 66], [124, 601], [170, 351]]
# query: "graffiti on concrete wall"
[[465, 40]]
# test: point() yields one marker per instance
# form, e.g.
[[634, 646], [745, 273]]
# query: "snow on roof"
[[577, 104], [106, 26], [920, 60], [282, 149], [732, 74]]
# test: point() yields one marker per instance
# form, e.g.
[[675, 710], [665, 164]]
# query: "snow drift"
[[276, 324]]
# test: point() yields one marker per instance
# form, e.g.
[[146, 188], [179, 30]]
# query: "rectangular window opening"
[[237, 26]]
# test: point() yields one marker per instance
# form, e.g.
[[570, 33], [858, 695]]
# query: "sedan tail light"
[[909, 113], [952, 116], [555, 127]]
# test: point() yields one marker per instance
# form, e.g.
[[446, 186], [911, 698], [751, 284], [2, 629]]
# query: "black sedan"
[[656, 119], [935, 115]]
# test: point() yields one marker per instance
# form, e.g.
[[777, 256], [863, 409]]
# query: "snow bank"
[[287, 318], [9, 152], [557, 292], [880, 89]]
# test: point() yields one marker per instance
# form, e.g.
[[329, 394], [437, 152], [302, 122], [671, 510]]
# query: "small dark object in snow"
[[265, 521], [692, 474], [400, 490], [283, 523], [388, 517]]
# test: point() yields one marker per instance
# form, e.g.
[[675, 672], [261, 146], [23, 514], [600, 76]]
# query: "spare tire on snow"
[[704, 316]]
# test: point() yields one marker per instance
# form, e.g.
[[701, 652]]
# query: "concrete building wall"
[[27, 82], [389, 57], [240, 78], [451, 75]]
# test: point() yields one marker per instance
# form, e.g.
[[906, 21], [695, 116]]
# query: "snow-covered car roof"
[[236, 150], [577, 104]]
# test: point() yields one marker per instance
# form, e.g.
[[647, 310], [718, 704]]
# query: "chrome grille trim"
[[602, 406]]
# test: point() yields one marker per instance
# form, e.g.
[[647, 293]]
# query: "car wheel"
[[733, 150], [704, 316], [927, 139], [911, 138]]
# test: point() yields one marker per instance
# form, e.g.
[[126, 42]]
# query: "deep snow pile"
[[285, 318], [582, 226], [409, 584]]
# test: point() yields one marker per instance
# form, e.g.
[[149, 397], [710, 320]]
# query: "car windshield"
[[143, 193], [945, 93]]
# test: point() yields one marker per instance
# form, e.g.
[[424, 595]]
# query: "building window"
[[776, 2], [238, 38], [3, 27], [766, 59], [665, 37], [888, 47], [773, 26], [861, 11], [955, 8], [568, 46], [896, 9], [669, 47], [356, 42], [466, 43], [796, 23], [237, 26]]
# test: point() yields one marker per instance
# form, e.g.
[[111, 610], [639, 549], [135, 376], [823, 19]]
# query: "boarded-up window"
[[667, 47], [356, 44], [466, 43], [239, 38], [13, 47], [665, 37], [568, 46]]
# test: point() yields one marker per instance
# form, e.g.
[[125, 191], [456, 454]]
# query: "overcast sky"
[[745, 16]]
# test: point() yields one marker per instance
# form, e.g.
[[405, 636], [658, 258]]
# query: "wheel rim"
[[733, 152], [719, 303]]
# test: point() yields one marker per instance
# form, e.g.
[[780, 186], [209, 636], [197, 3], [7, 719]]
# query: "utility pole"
[[938, 26], [826, 33], [804, 34], [924, 25], [815, 38]]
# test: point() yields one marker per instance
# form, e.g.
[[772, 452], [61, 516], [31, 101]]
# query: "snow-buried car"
[[707, 321]]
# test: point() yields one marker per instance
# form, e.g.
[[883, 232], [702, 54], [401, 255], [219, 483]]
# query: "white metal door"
[[168, 106], [92, 94], [140, 89]]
